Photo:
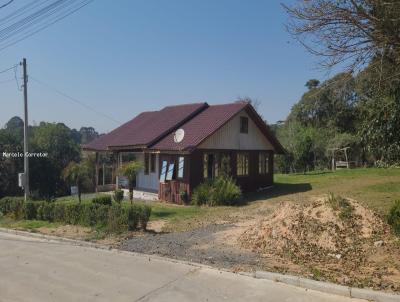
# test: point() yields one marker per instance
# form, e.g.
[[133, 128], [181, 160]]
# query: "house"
[[181, 146]]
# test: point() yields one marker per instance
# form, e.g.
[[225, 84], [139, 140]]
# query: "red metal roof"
[[156, 129], [147, 127], [201, 126]]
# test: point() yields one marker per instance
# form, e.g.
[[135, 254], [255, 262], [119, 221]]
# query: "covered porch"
[[146, 183]]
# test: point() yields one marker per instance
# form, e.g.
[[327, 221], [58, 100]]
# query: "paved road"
[[39, 270]]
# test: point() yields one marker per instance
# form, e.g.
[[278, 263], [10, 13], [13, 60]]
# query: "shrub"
[[144, 216], [133, 218], [117, 219], [221, 191], [225, 192], [72, 213], [202, 194], [59, 212], [31, 210], [394, 217], [13, 206], [102, 215], [118, 195], [102, 200], [45, 211]]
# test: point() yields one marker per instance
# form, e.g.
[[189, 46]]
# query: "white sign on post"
[[21, 180], [74, 190]]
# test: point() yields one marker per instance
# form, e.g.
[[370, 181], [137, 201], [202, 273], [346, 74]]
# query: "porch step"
[[138, 194]]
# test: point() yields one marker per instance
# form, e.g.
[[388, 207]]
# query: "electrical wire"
[[37, 21], [6, 4], [8, 69], [74, 100]]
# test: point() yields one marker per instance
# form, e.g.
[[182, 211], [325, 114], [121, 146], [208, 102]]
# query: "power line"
[[6, 4], [74, 99], [39, 20], [6, 81], [7, 69]]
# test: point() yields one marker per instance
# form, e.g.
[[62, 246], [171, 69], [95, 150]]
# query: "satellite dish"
[[179, 135]]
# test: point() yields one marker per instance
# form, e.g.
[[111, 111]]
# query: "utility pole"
[[26, 159]]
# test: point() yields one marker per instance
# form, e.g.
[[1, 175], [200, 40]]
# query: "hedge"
[[114, 219]]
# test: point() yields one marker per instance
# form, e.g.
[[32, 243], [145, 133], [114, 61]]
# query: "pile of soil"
[[340, 241]]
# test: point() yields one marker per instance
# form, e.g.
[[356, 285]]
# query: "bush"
[[202, 194], [221, 191], [102, 200], [225, 192], [31, 208], [118, 195], [117, 219], [144, 216], [133, 217], [13, 206], [394, 217]]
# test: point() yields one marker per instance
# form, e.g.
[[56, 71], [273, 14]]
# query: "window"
[[163, 171], [170, 172], [263, 163], [225, 164], [153, 158], [242, 167], [210, 165], [244, 124], [181, 166]]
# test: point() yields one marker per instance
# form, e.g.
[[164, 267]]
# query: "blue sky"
[[128, 56]]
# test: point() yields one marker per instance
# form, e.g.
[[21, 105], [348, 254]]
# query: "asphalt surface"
[[34, 269]]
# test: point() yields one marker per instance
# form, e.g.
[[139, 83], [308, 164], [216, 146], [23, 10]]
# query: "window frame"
[[263, 163], [164, 169], [242, 164], [244, 125], [181, 169], [170, 171]]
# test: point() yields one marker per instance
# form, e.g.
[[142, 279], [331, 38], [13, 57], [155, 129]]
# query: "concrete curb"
[[329, 288], [325, 287]]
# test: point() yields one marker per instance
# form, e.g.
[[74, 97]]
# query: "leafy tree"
[[76, 174], [87, 134], [46, 173], [311, 84], [130, 170]]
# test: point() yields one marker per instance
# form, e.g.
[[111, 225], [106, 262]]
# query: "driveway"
[[34, 269]]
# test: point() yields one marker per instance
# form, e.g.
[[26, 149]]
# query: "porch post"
[[97, 172]]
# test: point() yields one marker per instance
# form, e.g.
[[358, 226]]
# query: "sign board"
[[74, 190], [21, 180]]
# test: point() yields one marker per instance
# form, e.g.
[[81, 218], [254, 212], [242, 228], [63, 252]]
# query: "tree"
[[76, 174], [46, 172], [130, 170], [87, 134], [311, 84], [350, 32]]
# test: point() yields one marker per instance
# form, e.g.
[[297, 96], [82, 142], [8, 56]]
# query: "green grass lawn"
[[377, 188], [30, 225]]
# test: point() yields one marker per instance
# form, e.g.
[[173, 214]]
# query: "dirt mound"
[[333, 237]]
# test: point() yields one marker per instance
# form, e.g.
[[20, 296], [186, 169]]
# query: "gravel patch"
[[199, 245]]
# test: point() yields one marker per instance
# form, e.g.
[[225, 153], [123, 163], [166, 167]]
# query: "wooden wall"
[[193, 174]]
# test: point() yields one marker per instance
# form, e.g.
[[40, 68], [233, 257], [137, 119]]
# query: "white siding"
[[149, 181], [229, 137]]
